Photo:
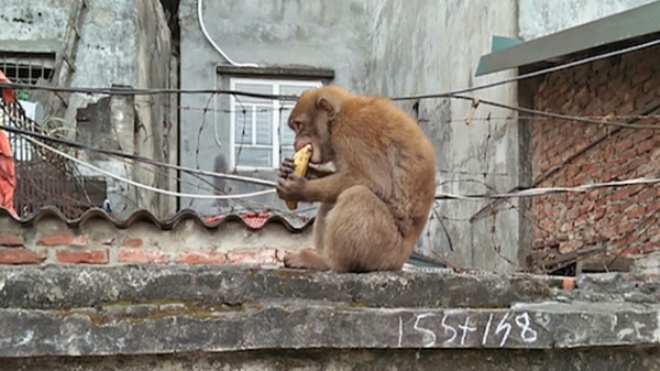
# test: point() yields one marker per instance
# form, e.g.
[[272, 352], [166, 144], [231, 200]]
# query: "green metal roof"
[[511, 53]]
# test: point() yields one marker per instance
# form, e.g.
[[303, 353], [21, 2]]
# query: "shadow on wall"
[[221, 166]]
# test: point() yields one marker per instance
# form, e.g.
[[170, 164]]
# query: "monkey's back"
[[396, 153]]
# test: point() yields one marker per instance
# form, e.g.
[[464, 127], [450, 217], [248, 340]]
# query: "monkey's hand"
[[286, 168], [292, 188], [288, 165]]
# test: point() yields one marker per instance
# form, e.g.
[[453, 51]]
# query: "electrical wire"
[[120, 91], [543, 191], [144, 186], [153, 91], [558, 115], [213, 44], [532, 192], [138, 158], [535, 73]]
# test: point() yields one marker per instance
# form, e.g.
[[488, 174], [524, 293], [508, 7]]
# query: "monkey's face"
[[311, 127]]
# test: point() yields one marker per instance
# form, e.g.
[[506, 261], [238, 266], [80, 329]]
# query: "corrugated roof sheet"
[[249, 221]]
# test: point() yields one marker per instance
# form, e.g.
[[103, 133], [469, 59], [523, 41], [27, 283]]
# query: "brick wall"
[[622, 221], [98, 241]]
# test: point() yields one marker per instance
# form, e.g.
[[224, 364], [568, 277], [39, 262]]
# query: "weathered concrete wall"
[[108, 35], [595, 359], [157, 136], [124, 43], [424, 47], [327, 34], [256, 319], [538, 18]]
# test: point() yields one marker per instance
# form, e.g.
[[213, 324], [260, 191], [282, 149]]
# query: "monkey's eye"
[[296, 124]]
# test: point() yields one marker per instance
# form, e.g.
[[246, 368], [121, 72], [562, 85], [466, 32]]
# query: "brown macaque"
[[375, 204]]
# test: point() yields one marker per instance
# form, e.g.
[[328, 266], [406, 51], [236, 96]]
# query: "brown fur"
[[373, 208]]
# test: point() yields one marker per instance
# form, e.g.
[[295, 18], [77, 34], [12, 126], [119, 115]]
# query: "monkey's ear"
[[329, 105]]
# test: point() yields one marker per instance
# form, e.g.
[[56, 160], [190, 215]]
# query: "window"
[[260, 135]]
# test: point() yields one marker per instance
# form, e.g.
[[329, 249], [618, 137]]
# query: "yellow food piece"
[[301, 162]]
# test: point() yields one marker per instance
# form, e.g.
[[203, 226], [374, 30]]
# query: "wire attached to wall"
[[213, 44], [144, 186], [153, 91]]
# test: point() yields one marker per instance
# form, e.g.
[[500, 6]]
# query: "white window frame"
[[277, 125]]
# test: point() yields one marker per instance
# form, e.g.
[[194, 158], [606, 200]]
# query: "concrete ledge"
[[278, 71], [77, 286], [171, 328], [147, 310], [588, 359]]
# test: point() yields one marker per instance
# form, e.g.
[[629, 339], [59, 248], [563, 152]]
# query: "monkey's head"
[[312, 118]]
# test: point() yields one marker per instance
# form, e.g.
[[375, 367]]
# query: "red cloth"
[[7, 171]]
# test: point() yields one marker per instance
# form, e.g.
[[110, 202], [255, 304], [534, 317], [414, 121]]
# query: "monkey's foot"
[[306, 258]]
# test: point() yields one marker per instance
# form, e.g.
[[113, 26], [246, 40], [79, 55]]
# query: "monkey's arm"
[[317, 173], [328, 188]]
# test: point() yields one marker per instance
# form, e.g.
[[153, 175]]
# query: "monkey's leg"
[[312, 258], [319, 225], [361, 234]]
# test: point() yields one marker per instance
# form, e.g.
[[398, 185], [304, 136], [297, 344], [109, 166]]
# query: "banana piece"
[[301, 162]]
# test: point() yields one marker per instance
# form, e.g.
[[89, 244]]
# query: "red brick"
[[566, 247], [646, 146], [141, 256], [60, 238], [616, 218], [652, 84], [642, 71], [636, 212], [21, 256], [623, 145], [131, 242], [10, 239], [621, 193], [252, 256], [653, 207], [580, 221], [566, 227], [201, 257], [594, 171], [625, 109], [624, 228], [83, 256], [63, 238], [635, 189], [598, 214], [587, 208], [627, 155], [646, 194], [573, 213], [609, 231], [633, 167]]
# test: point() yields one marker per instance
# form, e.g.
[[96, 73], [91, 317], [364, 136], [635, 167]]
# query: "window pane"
[[287, 152], [264, 126], [243, 127], [253, 88], [262, 157], [287, 137], [297, 89]]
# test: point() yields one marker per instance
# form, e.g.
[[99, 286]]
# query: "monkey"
[[375, 204]]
